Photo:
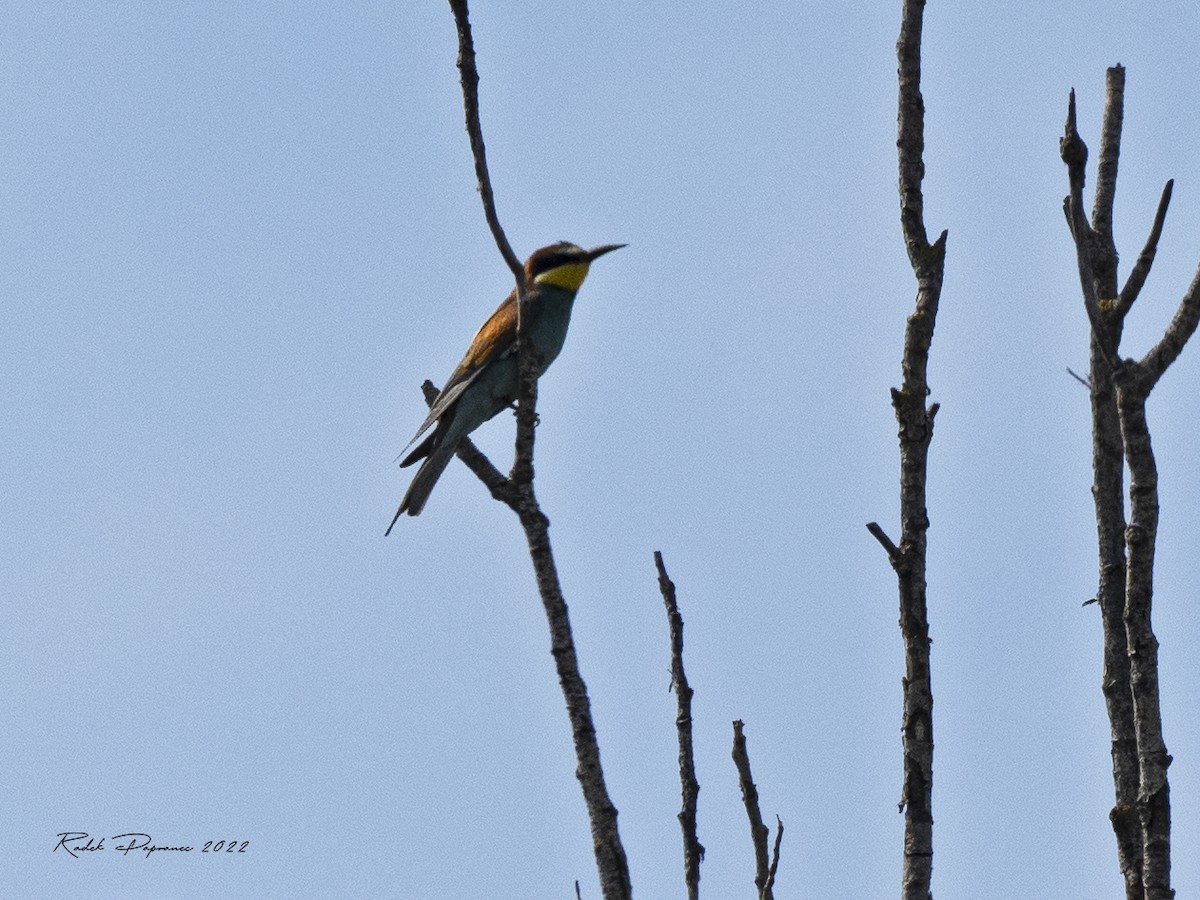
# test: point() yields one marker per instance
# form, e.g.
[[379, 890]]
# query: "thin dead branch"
[[693, 850], [764, 876], [469, 76], [775, 854], [1141, 268], [517, 493]]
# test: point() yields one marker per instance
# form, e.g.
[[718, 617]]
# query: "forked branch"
[[764, 866], [1120, 436]]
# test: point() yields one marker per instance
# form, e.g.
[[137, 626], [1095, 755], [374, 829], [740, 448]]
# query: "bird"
[[485, 381]]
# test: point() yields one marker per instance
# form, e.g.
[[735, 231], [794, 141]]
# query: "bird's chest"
[[548, 328]]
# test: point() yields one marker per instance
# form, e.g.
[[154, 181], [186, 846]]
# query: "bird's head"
[[564, 265]]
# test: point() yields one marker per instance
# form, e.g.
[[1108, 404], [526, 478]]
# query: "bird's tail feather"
[[423, 482], [423, 449]]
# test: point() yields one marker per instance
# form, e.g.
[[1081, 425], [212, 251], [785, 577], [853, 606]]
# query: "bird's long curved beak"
[[593, 255]]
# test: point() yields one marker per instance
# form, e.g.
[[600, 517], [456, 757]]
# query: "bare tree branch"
[[1141, 815], [775, 853], [759, 833], [1095, 255], [910, 140], [885, 542], [499, 486], [1109, 498], [1141, 268], [517, 492], [1154, 805], [1106, 169], [693, 850], [1078, 377], [1170, 345], [522, 471], [469, 76], [915, 421]]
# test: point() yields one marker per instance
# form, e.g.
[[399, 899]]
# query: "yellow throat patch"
[[569, 276]]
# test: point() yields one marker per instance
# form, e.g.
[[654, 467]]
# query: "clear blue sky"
[[236, 237]]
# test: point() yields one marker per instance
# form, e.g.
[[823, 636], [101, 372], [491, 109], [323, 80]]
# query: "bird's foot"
[[537, 418]]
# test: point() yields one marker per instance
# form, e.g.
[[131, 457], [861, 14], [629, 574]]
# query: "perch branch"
[[611, 862]]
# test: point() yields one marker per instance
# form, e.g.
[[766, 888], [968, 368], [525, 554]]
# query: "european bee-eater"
[[485, 382]]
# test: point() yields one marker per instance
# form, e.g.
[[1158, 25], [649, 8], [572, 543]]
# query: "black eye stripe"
[[554, 260]]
